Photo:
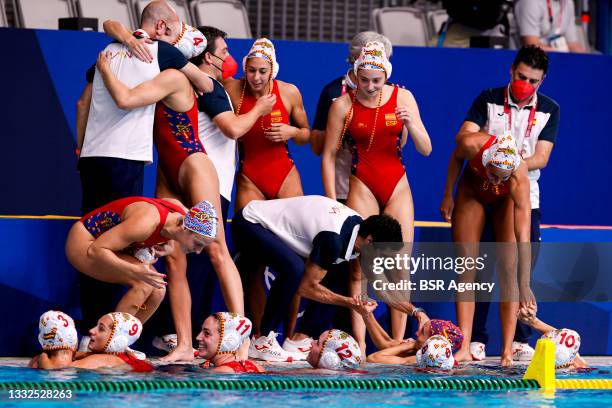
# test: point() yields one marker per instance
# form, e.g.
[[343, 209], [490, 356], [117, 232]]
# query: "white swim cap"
[[437, 352], [56, 331], [126, 329], [234, 329], [502, 154], [339, 351], [373, 56], [567, 344], [191, 42], [263, 48]]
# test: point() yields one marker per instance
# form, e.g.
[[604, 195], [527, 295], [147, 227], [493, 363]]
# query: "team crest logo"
[[50, 335], [374, 53], [390, 119], [276, 116], [99, 223]]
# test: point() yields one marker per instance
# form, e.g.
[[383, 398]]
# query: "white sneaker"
[[138, 354], [298, 349], [268, 349], [83, 345], [168, 343], [522, 351], [477, 350], [165, 343]]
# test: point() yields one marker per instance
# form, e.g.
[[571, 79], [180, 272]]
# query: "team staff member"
[[278, 232], [533, 120], [549, 24]]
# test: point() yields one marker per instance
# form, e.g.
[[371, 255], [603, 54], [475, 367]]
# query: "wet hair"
[[382, 228], [361, 39], [211, 34], [532, 56]]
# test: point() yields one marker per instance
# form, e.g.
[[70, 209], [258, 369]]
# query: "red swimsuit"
[[264, 162], [106, 217], [486, 192], [380, 168], [138, 366], [176, 137], [242, 366]]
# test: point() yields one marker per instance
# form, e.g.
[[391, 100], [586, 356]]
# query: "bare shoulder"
[[405, 95], [142, 213], [288, 90], [342, 102], [94, 361]]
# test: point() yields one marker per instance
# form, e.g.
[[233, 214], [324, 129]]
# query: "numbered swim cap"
[[56, 331], [191, 42], [567, 344], [436, 353], [125, 330], [339, 351], [234, 329]]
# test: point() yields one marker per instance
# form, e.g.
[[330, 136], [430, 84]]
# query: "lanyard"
[[550, 14], [508, 113]]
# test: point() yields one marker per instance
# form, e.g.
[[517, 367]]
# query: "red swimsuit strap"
[[163, 207], [139, 366]]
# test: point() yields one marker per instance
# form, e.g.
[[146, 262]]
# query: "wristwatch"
[[417, 310]]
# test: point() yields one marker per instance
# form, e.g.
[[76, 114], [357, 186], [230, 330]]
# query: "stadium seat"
[[402, 25], [181, 7], [42, 13], [118, 10], [228, 15], [435, 19], [3, 19]]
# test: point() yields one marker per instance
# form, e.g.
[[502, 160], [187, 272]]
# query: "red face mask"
[[229, 68], [521, 90]]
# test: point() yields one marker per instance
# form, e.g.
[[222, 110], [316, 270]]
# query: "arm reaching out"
[[147, 93]]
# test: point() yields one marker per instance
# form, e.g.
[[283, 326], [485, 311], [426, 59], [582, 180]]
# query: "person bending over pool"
[[99, 244], [567, 342], [223, 334], [334, 350], [301, 249], [58, 338], [392, 351], [495, 179]]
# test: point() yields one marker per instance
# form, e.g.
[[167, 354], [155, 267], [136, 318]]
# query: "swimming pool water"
[[328, 399]]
